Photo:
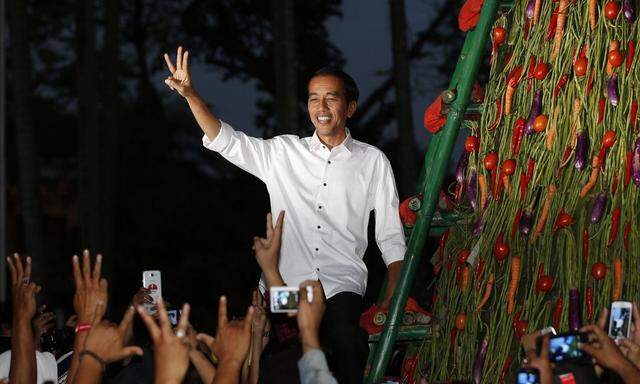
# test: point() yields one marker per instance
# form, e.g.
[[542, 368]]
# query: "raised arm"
[[180, 81]]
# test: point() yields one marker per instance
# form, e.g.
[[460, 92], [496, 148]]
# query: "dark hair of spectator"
[[350, 87]]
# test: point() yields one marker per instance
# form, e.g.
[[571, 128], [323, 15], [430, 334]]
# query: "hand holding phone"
[[287, 299], [620, 319], [564, 347]]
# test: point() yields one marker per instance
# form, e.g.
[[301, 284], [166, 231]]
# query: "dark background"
[[101, 155]]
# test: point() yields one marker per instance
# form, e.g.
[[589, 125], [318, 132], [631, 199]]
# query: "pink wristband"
[[83, 327]]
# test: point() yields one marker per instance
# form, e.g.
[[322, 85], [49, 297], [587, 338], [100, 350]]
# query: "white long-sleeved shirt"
[[327, 196], [313, 368]]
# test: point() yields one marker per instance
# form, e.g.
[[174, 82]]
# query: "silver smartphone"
[[620, 319], [287, 299]]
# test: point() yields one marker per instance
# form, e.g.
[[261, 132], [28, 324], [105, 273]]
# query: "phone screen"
[[285, 300], [565, 347], [528, 376], [620, 321]]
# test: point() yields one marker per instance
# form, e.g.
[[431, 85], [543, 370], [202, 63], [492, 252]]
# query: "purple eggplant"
[[582, 149], [526, 221], [531, 6], [635, 163], [478, 227], [471, 188], [628, 10], [478, 365], [536, 109], [598, 208], [461, 168], [612, 90], [575, 317]]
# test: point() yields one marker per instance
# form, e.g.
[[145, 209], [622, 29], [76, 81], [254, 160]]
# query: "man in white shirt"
[[327, 184]]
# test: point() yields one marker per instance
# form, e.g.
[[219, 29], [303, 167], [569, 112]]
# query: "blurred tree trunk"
[[110, 149], [286, 97], [403, 111], [88, 128], [25, 134]]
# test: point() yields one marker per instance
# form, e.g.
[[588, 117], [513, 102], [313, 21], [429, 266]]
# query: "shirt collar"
[[347, 143]]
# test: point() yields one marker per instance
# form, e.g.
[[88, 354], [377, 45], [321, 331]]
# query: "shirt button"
[[329, 161], [318, 269], [325, 184], [318, 227], [317, 249], [319, 206]]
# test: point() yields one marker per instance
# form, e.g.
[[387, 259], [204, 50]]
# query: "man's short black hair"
[[350, 87]]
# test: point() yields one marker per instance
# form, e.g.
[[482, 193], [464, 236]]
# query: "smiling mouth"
[[323, 119]]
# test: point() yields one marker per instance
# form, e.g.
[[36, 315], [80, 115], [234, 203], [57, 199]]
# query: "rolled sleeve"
[[221, 141], [389, 233], [314, 369]]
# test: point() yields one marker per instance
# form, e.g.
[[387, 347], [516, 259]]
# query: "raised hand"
[[541, 362], [267, 250], [310, 314], [231, 344], [179, 79], [171, 350], [91, 289], [23, 290], [259, 315], [107, 340], [631, 347]]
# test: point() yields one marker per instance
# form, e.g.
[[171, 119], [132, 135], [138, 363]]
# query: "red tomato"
[[461, 321], [611, 10], [564, 220], [501, 250], [471, 144], [463, 256], [491, 161], [541, 70], [521, 327], [599, 270], [609, 139], [540, 123], [499, 35], [509, 167], [544, 283], [580, 66], [615, 58]]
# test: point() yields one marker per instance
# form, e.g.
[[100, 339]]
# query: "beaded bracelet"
[[95, 356]]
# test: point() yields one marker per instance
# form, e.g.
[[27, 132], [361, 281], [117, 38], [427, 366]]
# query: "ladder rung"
[[407, 333]]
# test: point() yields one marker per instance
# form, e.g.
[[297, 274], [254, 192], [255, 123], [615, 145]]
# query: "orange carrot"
[[592, 14], [465, 279], [562, 18], [551, 133], [617, 279], [487, 293], [513, 284], [508, 99], [536, 11], [593, 177], [482, 183], [507, 185], [551, 192]]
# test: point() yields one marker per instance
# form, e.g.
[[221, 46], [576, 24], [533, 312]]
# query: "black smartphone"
[[528, 376], [564, 347]]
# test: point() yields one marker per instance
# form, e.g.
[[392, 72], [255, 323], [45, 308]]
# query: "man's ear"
[[351, 109]]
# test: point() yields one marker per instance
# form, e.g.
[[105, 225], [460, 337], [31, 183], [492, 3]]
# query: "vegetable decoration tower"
[[550, 181]]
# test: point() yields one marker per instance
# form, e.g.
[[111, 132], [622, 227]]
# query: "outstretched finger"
[[18, 264], [269, 225], [179, 59], [167, 60], [602, 319], [248, 320], [99, 312], [278, 229], [77, 275], [222, 312], [152, 327], [130, 351], [185, 61], [208, 340], [126, 320], [12, 270], [163, 317], [27, 269], [86, 267], [97, 269], [184, 317]]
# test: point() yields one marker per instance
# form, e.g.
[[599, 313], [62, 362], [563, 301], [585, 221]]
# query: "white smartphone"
[[152, 280], [620, 319], [286, 299]]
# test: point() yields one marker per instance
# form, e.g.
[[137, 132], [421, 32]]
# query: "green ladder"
[[436, 159]]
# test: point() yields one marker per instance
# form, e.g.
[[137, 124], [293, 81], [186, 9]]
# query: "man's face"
[[328, 106]]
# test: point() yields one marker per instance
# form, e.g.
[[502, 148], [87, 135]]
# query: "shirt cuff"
[[221, 141], [394, 254], [313, 360]]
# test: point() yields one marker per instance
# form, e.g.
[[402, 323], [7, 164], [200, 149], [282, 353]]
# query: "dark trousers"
[[343, 341]]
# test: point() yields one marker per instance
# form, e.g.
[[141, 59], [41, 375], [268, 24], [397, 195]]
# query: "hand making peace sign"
[[179, 80]]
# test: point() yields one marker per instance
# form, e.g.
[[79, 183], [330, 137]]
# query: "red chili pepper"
[[516, 224], [513, 78], [585, 244], [505, 369], [448, 264], [589, 299], [560, 86], [527, 27], [479, 269], [459, 275], [523, 186], [530, 169], [498, 115], [498, 186], [615, 222], [601, 104], [633, 114], [517, 135], [614, 187], [557, 313], [443, 243], [602, 155], [553, 23], [631, 49], [532, 66], [493, 182], [627, 232], [589, 83], [627, 169]]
